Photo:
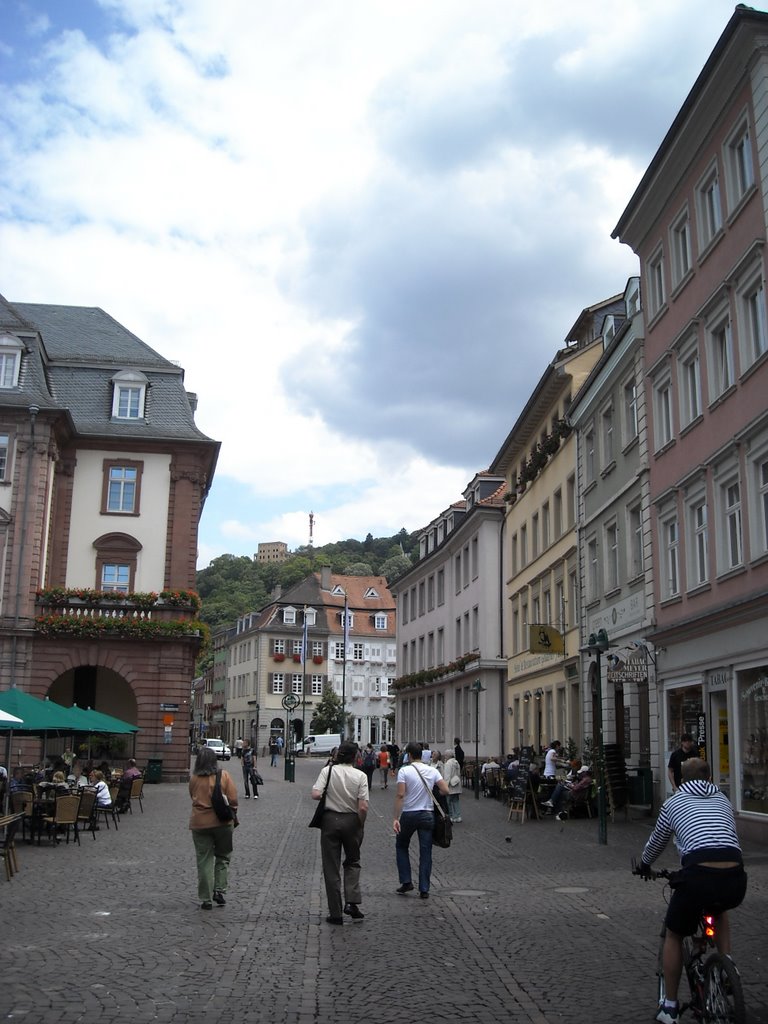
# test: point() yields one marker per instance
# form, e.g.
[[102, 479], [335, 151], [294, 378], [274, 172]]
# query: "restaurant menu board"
[[520, 783]]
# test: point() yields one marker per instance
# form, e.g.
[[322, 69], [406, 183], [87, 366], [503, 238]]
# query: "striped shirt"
[[700, 818]]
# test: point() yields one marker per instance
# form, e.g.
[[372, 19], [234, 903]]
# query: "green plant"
[[429, 675]]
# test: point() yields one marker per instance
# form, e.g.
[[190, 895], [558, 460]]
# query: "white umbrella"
[[5, 717]]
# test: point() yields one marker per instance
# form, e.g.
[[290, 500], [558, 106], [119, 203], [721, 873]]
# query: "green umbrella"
[[98, 721], [39, 716]]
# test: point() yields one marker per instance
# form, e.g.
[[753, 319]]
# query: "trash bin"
[[290, 767], [640, 786], [154, 772]]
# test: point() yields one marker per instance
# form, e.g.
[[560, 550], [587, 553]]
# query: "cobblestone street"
[[544, 928]]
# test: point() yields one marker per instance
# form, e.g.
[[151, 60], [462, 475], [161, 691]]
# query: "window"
[[559, 603], [740, 171], [338, 651], [278, 682], [116, 561], [317, 648], [296, 647], [557, 498], [465, 556], [121, 487], [589, 454], [662, 398], [475, 559], [430, 593], [593, 569], [316, 683], [350, 620], [607, 430], [548, 607], [524, 545], [513, 552], [422, 598], [5, 444], [289, 616], [380, 621], [573, 597], [635, 524], [278, 647], [296, 681], [753, 331], [128, 395], [670, 534], [720, 356], [515, 631], [655, 278], [310, 616], [630, 411], [681, 248], [545, 535], [115, 577], [357, 652], [535, 535], [457, 572], [10, 360], [570, 501], [430, 650], [611, 557], [761, 469], [440, 653], [690, 383], [440, 587], [404, 599], [698, 567], [732, 540], [709, 207]]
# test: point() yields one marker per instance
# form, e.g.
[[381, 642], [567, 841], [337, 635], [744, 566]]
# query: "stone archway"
[[98, 687]]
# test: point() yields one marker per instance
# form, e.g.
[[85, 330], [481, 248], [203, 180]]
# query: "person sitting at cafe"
[[59, 784], [18, 783], [567, 790], [96, 779]]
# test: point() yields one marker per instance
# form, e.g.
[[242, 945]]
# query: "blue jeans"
[[423, 823]]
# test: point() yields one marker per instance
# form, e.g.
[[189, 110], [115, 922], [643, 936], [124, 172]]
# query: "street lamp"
[[598, 644], [538, 694], [478, 688]]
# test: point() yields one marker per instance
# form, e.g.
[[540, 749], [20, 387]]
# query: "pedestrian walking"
[[239, 746], [212, 838], [274, 751], [250, 774], [458, 751], [346, 805], [369, 764], [451, 772], [414, 812], [384, 763]]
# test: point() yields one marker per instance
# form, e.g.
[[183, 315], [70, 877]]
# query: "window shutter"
[[271, 681]]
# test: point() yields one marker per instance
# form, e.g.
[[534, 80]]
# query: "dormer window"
[[289, 616], [371, 592], [338, 591], [380, 621], [10, 360], [350, 619], [310, 616], [129, 395]]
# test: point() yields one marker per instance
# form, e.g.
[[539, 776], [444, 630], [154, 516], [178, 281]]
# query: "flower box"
[[279, 657], [318, 659], [297, 657]]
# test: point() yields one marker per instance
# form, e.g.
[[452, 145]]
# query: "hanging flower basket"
[[279, 657]]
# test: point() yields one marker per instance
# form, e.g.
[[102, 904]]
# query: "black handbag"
[[257, 779], [317, 817], [219, 802], [442, 830]]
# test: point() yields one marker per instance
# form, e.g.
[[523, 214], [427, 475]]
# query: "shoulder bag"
[[220, 803], [442, 830], [317, 817]]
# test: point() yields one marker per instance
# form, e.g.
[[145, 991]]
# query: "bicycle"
[[713, 978]]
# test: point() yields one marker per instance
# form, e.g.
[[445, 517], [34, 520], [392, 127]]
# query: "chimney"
[[325, 577], [277, 592]]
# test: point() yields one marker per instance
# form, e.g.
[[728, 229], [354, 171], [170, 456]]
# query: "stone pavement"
[[547, 927]]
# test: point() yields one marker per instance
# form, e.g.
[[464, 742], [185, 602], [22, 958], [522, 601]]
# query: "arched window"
[[116, 559]]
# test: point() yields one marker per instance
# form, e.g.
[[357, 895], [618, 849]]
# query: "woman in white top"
[[414, 812], [96, 779]]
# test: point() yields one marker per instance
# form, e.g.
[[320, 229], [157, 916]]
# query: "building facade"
[[104, 476], [449, 628], [697, 222], [541, 603], [295, 647]]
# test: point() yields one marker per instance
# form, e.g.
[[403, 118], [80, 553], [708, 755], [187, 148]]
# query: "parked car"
[[222, 750]]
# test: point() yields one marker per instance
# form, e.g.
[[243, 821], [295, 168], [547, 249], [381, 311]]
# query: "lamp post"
[[598, 644], [538, 694], [478, 688]]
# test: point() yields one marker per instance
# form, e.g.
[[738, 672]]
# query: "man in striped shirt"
[[712, 878]]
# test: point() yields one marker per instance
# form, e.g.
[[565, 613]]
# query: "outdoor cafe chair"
[[64, 816], [22, 802], [109, 810], [137, 792], [86, 814], [11, 824]]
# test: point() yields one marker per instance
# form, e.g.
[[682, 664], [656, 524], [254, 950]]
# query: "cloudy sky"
[[362, 227]]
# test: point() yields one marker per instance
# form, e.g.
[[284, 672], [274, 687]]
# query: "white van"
[[322, 744]]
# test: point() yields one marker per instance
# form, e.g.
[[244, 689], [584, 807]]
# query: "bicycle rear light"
[[709, 927]]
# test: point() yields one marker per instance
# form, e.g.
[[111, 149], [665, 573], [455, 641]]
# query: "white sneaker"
[[457, 819], [667, 1015], [547, 803]]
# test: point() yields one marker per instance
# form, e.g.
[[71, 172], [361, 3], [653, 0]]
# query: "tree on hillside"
[[329, 714], [395, 567], [359, 569]]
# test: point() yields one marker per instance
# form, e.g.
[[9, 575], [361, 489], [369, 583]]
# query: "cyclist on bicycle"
[[712, 878]]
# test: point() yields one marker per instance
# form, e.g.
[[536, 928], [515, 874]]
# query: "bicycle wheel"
[[723, 995], [694, 974]]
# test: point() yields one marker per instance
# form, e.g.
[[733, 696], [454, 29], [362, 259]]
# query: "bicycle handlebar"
[[649, 873]]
